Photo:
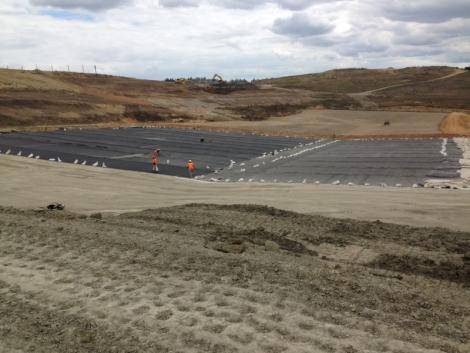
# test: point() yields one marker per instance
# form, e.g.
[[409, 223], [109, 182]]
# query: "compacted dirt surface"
[[206, 278]]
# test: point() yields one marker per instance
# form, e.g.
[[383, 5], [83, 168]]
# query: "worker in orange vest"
[[155, 161], [191, 168]]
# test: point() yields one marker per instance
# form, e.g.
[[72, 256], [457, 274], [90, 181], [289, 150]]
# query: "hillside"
[[358, 80], [452, 92], [38, 98]]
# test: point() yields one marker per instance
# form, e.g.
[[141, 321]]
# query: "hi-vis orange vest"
[[191, 166]]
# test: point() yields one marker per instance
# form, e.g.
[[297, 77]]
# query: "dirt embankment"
[[227, 279], [456, 123], [44, 99], [36, 98]]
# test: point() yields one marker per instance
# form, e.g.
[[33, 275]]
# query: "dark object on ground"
[[55, 206], [387, 123], [466, 257], [202, 140]]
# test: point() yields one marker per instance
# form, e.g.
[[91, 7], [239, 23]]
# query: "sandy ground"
[[26, 183], [341, 123], [227, 279]]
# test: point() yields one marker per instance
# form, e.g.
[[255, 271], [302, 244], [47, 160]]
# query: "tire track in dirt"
[[147, 282], [367, 103]]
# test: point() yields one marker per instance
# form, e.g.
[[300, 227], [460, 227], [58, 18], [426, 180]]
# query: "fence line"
[[83, 68]]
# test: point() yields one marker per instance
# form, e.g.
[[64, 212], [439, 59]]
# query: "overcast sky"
[[251, 38]]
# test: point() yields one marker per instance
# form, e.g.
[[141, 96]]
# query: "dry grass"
[[358, 80], [452, 93], [44, 99]]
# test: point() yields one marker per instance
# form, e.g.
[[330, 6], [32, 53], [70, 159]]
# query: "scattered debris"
[[55, 206]]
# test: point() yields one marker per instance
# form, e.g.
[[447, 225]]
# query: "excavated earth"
[[205, 278]]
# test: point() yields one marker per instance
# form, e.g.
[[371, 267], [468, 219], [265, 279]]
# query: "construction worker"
[[191, 168], [155, 160]]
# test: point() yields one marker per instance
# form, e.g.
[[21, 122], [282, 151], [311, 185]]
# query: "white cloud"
[[427, 11], [301, 25], [294, 5], [179, 3], [93, 5], [152, 39]]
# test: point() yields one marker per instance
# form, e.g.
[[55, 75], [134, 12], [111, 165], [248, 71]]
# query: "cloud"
[[92, 5], [354, 47], [262, 38], [297, 4], [426, 11], [301, 25], [179, 3], [294, 5], [429, 34]]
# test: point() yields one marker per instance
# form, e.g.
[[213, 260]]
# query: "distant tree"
[[467, 68]]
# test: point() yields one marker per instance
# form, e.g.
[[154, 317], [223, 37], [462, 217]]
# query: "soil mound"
[[456, 124]]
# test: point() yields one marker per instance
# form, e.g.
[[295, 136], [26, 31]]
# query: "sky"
[[157, 39]]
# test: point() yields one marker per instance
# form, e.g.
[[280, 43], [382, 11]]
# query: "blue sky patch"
[[68, 15]]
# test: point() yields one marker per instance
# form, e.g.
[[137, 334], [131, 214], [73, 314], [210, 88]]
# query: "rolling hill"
[[38, 98]]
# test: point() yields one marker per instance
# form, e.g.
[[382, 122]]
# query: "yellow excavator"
[[218, 78]]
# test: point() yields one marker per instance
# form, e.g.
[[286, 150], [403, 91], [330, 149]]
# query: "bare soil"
[[44, 100], [340, 124], [36, 98], [27, 183], [456, 123], [155, 281]]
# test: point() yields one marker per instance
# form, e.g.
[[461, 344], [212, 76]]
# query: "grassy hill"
[[37, 98], [358, 80], [450, 93]]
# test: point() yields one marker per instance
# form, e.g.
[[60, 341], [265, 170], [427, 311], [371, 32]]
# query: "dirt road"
[[27, 183]]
